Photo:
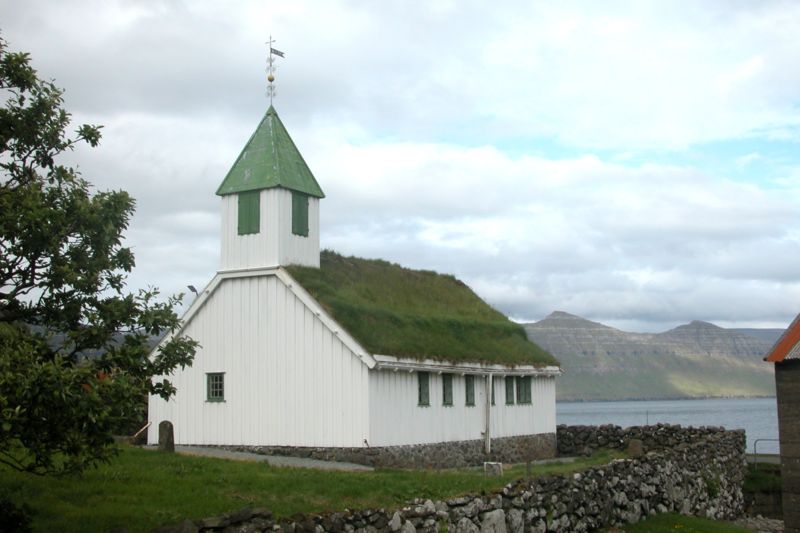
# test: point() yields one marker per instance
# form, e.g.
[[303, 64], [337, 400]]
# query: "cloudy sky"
[[635, 163]]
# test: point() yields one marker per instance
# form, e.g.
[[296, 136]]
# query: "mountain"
[[695, 360], [770, 335]]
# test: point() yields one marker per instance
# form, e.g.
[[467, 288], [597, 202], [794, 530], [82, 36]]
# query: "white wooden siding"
[[288, 379], [395, 418], [274, 244]]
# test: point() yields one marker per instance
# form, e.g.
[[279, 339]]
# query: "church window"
[[524, 389], [509, 390], [249, 212], [423, 389], [215, 387], [299, 214], [447, 389], [469, 381]]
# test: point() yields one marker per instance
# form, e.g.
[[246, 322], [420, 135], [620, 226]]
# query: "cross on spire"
[[271, 68]]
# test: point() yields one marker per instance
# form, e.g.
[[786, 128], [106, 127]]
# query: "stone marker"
[[635, 448], [166, 437]]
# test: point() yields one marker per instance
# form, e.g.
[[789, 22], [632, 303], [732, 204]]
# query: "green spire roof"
[[270, 159]]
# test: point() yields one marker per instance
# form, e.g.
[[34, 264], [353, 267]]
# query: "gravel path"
[[272, 460], [761, 524]]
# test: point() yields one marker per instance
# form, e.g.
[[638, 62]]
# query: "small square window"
[[509, 390], [423, 389], [469, 382], [447, 389], [215, 387]]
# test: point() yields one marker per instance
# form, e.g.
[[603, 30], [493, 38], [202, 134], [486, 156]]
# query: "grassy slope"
[[143, 489], [393, 310], [669, 523]]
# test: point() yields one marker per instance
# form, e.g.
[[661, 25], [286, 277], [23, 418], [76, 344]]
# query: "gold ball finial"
[[270, 78]]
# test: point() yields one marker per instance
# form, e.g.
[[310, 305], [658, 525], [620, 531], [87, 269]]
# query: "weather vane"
[[271, 68]]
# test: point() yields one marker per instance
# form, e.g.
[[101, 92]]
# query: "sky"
[[635, 163]]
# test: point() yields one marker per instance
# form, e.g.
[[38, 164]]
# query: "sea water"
[[757, 416]]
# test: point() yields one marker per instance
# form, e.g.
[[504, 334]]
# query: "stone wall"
[[701, 474], [585, 440], [440, 455]]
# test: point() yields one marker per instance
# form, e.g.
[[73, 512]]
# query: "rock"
[[635, 448], [494, 522], [408, 527], [214, 522], [539, 526], [465, 525], [166, 436], [515, 521], [396, 522], [187, 526]]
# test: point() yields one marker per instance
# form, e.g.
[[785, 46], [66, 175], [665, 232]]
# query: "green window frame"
[[249, 212], [300, 214], [469, 387], [423, 389], [447, 389], [215, 386], [524, 390], [509, 390]]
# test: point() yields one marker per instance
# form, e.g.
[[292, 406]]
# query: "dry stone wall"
[[700, 474], [440, 455]]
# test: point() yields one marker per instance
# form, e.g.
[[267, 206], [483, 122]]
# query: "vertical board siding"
[[395, 418], [288, 379], [274, 244]]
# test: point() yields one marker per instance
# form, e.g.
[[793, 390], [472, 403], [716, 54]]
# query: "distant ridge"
[[770, 335], [694, 360]]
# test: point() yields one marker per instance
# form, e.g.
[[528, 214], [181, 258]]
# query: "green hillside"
[[421, 314]]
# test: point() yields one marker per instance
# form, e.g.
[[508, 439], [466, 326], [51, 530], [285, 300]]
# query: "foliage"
[[415, 313], [671, 522], [763, 477], [16, 518], [142, 489], [73, 343]]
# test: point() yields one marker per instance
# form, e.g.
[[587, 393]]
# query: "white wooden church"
[[300, 352]]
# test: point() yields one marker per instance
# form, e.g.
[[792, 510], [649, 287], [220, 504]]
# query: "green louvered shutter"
[[299, 214], [523, 389], [249, 212], [423, 384], [447, 389], [469, 381]]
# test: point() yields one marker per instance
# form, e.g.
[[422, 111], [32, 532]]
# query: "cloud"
[[546, 154]]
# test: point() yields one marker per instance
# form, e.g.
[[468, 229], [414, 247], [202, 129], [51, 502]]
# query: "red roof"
[[786, 344]]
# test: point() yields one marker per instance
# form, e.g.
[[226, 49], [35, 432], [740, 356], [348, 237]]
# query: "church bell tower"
[[270, 199], [270, 203]]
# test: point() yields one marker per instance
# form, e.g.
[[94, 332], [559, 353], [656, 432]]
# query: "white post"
[[487, 436]]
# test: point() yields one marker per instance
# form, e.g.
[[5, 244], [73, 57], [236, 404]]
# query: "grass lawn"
[[672, 523], [142, 489], [763, 477]]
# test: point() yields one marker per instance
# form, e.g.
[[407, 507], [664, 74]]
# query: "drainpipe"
[[487, 435]]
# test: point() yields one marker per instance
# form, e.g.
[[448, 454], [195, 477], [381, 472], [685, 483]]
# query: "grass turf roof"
[[421, 314]]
